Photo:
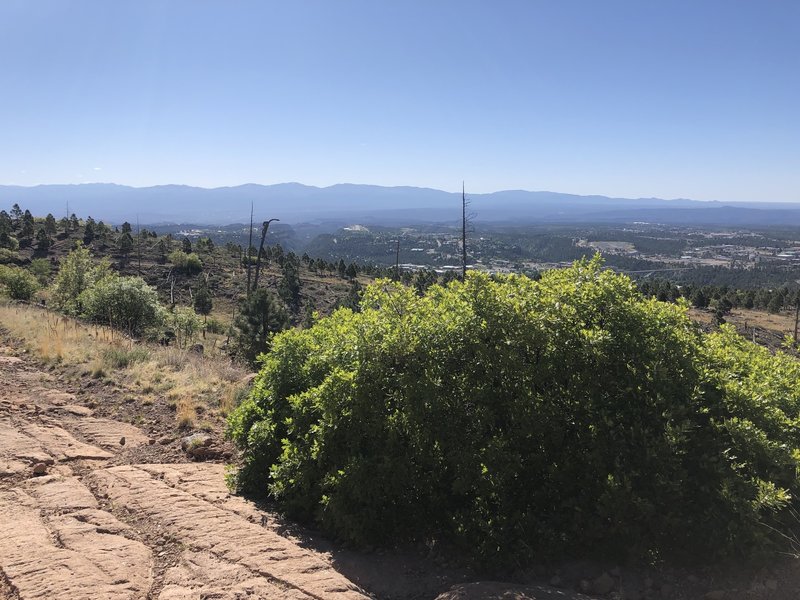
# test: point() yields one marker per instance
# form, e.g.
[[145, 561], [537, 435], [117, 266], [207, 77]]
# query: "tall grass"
[[151, 372]]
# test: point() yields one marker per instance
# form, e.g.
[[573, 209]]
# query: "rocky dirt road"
[[79, 523]]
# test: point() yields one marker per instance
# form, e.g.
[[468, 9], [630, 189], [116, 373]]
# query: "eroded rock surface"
[[231, 539], [68, 556], [82, 529]]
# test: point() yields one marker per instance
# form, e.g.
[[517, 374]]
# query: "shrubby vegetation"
[[78, 273], [126, 303], [18, 283], [519, 419], [187, 262]]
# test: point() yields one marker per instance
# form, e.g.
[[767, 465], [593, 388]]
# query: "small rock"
[[603, 584], [151, 441], [197, 445], [39, 469], [122, 441], [772, 584], [196, 439], [166, 440], [715, 595], [197, 349]]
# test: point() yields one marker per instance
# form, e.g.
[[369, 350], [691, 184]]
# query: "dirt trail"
[[93, 529]]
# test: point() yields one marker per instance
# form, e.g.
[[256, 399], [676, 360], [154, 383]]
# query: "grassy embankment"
[[201, 390]]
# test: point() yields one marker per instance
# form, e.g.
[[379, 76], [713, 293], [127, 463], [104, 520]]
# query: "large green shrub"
[[76, 274], [522, 418], [189, 263], [18, 283], [126, 303]]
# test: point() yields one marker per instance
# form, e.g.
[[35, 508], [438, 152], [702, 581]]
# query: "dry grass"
[[186, 380], [185, 413]]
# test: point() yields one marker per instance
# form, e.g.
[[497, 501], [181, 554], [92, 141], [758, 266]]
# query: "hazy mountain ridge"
[[295, 202]]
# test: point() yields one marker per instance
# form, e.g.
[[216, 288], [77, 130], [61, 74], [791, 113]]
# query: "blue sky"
[[695, 99]]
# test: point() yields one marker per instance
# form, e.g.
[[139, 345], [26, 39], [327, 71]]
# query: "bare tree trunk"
[[463, 233], [264, 228], [138, 245], [249, 246], [397, 261], [796, 317]]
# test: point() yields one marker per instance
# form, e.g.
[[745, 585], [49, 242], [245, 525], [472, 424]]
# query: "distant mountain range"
[[369, 204]]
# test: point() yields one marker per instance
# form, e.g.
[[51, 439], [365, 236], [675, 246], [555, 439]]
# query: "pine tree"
[[260, 317]]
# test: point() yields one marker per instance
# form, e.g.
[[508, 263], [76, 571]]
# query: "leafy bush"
[[521, 418], [40, 268], [185, 323], [187, 262], [19, 284], [8, 256], [216, 326], [76, 274], [126, 303]]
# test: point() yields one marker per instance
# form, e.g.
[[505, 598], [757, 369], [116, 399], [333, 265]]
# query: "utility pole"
[[249, 246], [463, 234]]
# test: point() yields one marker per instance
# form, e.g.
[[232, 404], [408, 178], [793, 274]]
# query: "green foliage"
[[260, 317], [203, 302], [40, 268], [215, 326], [8, 256], [125, 243], [522, 419], [50, 224], [126, 303], [188, 263], [18, 283], [121, 358], [77, 274], [289, 285], [43, 241], [185, 323]]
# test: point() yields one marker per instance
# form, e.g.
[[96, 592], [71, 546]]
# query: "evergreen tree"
[[89, 231], [125, 243], [260, 317], [203, 302], [50, 224], [289, 286], [699, 299], [43, 241]]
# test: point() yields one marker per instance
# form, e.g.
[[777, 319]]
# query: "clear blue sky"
[[678, 98]]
